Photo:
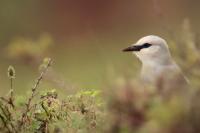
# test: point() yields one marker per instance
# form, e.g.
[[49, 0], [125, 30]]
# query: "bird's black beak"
[[132, 48]]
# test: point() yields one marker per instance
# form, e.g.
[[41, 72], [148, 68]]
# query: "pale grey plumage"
[[156, 59]]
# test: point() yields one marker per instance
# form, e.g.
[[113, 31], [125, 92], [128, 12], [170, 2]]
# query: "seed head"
[[11, 72]]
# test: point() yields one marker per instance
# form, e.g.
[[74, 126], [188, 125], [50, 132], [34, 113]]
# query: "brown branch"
[[34, 89]]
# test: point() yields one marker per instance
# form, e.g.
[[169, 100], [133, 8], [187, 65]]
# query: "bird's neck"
[[157, 63], [151, 69]]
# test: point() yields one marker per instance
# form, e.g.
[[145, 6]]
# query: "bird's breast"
[[152, 72]]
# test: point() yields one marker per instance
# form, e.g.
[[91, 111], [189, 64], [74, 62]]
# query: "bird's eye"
[[146, 45]]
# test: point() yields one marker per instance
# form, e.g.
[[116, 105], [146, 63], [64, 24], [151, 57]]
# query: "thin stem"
[[11, 99], [34, 88], [11, 87]]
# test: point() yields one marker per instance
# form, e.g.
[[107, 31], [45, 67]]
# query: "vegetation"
[[49, 113], [124, 106]]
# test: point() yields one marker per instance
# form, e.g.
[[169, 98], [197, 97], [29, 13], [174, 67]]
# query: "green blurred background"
[[83, 37]]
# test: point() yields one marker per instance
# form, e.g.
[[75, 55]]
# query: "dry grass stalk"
[[34, 89]]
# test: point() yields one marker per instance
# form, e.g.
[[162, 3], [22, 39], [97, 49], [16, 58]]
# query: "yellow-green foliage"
[[48, 113], [28, 49]]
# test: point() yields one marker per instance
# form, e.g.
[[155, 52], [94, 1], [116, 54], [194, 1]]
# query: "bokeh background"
[[83, 37]]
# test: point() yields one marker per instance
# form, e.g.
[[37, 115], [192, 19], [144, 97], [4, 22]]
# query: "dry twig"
[[35, 87]]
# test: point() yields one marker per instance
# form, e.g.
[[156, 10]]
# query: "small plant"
[[11, 76], [47, 113]]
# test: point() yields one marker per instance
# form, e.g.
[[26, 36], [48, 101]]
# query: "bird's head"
[[150, 48]]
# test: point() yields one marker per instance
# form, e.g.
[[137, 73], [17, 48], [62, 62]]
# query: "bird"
[[157, 62]]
